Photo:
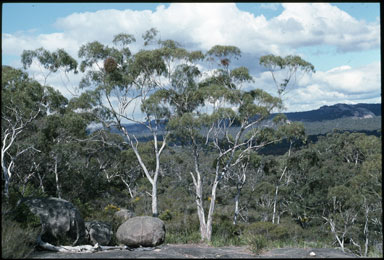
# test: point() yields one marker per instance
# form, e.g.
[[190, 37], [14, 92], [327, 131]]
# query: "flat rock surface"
[[200, 251]]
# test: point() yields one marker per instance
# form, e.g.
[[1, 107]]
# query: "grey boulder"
[[98, 232], [141, 231], [123, 215], [59, 219]]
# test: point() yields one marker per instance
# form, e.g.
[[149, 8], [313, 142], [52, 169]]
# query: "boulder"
[[59, 219], [98, 232], [141, 231], [123, 215]]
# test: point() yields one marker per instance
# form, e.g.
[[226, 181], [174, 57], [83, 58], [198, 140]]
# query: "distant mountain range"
[[335, 112], [311, 119]]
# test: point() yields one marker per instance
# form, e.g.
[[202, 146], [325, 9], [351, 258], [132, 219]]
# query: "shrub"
[[24, 217], [257, 243], [16, 240], [280, 232], [182, 228], [166, 215], [225, 233], [260, 228]]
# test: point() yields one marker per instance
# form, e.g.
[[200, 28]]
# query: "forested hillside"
[[203, 173], [337, 111]]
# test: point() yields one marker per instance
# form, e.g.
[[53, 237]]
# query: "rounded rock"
[[141, 231]]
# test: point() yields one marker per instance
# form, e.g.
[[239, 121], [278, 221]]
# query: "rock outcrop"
[[59, 219], [98, 232], [141, 231], [123, 215]]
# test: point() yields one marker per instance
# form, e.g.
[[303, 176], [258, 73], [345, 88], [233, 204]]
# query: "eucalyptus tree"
[[355, 208], [124, 82], [50, 63], [284, 72], [336, 192], [239, 176], [230, 124], [60, 130], [23, 102]]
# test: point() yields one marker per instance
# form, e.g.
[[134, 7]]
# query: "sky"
[[341, 40]]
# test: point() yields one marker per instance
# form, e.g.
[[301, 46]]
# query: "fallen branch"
[[69, 249], [78, 249]]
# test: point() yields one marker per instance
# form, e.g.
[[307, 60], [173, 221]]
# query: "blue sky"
[[342, 40]]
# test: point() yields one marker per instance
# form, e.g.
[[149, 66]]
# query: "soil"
[[200, 251]]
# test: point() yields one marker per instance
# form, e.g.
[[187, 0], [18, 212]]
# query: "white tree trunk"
[[366, 232], [212, 208], [58, 189], [7, 169], [155, 213], [340, 240], [200, 206], [7, 178], [152, 180], [274, 204], [237, 211], [128, 187]]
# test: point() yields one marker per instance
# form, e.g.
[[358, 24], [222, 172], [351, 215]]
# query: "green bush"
[[260, 228], [182, 228], [166, 215], [17, 241], [25, 217], [225, 233], [280, 232], [182, 237], [257, 243]]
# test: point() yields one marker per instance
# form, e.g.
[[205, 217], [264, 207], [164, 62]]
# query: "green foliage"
[[50, 60], [261, 228], [123, 39], [17, 241], [257, 243], [337, 177], [343, 124], [226, 233], [149, 35], [25, 217], [182, 229], [166, 215], [272, 62], [220, 51], [291, 64]]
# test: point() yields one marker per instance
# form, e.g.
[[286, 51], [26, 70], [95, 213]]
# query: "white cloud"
[[206, 24], [304, 24], [202, 25], [352, 81], [343, 84]]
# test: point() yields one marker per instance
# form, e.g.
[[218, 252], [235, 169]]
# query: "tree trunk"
[[200, 207], [6, 180], [128, 187], [277, 186], [237, 211], [239, 186], [154, 200], [366, 232], [41, 182], [212, 208], [58, 189], [333, 229], [274, 204], [198, 183]]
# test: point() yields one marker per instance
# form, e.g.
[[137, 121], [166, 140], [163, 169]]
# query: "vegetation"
[[344, 124], [202, 170]]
